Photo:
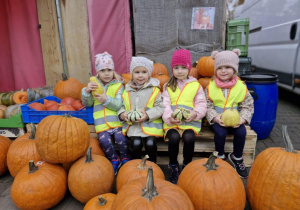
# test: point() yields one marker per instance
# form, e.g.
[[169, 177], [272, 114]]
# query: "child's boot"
[[238, 165], [125, 160], [116, 163], [174, 172]]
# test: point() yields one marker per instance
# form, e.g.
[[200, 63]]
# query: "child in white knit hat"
[[106, 105], [223, 91], [142, 94]]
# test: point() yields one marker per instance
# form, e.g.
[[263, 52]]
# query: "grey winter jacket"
[[139, 99]]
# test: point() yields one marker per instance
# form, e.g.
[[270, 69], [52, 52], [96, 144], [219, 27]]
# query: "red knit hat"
[[183, 58]]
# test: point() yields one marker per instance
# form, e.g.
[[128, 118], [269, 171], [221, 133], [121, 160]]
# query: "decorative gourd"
[[67, 101], [62, 139], [37, 106], [134, 115], [77, 105], [136, 169], [147, 193], [68, 87], [103, 202], [231, 116], [37, 93], [89, 177], [1, 114], [96, 148], [4, 146], [194, 71], [39, 186], [22, 150], [159, 69], [127, 77], [65, 108], [204, 82], [212, 184], [181, 114], [273, 182], [99, 89], [6, 98], [20, 97], [162, 79], [2, 107], [12, 110], [205, 66]]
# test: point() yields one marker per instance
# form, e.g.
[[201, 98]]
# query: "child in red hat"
[[182, 92]]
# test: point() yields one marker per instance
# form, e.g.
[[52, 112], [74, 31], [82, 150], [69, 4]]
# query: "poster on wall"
[[203, 18]]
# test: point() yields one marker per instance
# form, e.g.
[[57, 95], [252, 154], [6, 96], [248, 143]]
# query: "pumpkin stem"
[[149, 191], [32, 168], [66, 115], [64, 77], [102, 201], [142, 165], [32, 131], [210, 164], [195, 64], [232, 105], [288, 143], [88, 158]]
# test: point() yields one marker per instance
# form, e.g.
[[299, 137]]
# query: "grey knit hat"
[[226, 58], [141, 61]]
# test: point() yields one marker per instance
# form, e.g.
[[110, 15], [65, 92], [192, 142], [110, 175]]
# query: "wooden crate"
[[204, 145]]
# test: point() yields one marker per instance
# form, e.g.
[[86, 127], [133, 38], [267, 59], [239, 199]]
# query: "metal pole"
[[61, 38]]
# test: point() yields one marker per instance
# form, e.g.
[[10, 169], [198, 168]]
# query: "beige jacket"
[[139, 99]]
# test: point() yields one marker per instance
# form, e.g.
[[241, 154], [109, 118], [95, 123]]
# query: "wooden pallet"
[[204, 145]]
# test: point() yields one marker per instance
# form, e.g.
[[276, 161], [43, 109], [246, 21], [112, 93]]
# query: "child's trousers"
[[136, 146], [238, 140], [188, 138], [105, 140]]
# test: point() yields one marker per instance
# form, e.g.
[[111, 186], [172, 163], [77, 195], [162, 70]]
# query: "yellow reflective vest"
[[184, 98], [105, 118], [236, 94], [153, 128]]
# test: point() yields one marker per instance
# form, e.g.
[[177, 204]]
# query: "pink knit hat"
[[183, 58], [226, 58], [104, 61]]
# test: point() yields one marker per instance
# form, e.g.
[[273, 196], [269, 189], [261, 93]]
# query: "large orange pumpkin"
[[162, 80], [205, 66], [273, 182], [62, 139], [39, 186], [194, 71], [136, 169], [159, 68], [90, 176], [22, 150], [96, 148], [103, 202], [68, 87], [147, 193], [212, 184], [4, 146], [204, 82]]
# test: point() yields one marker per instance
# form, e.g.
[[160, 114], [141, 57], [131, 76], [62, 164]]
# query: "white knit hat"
[[226, 58], [141, 61]]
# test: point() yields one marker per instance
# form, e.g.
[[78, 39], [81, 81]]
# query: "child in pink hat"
[[106, 105], [183, 91], [223, 91]]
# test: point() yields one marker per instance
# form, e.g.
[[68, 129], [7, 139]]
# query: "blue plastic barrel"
[[264, 90]]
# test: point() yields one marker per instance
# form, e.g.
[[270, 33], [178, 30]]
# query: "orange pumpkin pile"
[[205, 68]]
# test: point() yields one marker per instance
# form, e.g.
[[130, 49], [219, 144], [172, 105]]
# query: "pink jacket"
[[199, 101]]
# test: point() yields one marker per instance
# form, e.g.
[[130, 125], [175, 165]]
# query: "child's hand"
[[192, 116], [144, 117], [174, 121], [124, 117], [242, 121], [218, 120], [91, 86], [100, 98]]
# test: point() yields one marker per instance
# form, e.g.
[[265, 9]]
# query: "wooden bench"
[[204, 145]]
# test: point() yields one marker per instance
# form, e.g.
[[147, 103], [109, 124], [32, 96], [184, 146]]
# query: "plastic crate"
[[13, 122], [32, 116], [245, 65], [237, 35]]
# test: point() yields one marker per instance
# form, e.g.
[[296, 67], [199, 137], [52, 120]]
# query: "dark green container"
[[237, 35]]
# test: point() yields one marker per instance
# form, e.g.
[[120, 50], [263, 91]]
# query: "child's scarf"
[[226, 85]]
